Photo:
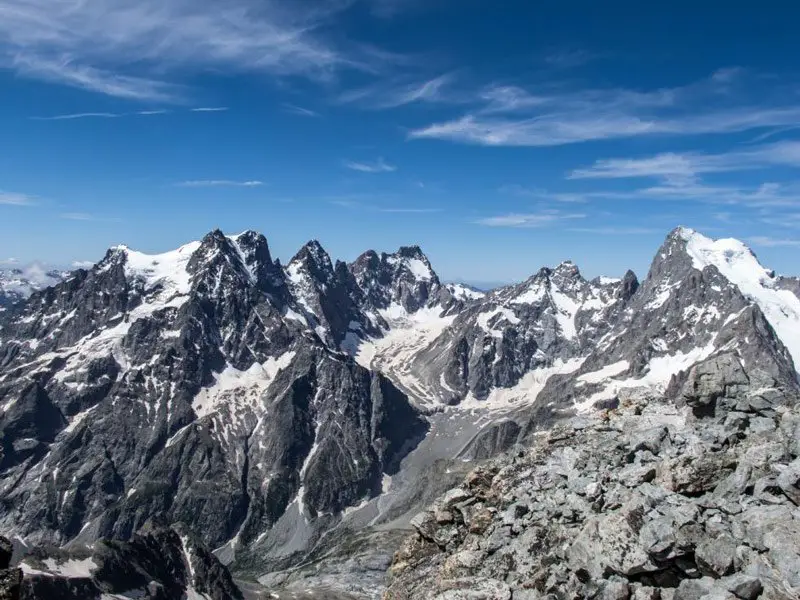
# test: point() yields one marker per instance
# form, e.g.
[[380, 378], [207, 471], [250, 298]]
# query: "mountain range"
[[294, 419]]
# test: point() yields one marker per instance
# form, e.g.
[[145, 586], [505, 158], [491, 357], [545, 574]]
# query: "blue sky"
[[500, 136]]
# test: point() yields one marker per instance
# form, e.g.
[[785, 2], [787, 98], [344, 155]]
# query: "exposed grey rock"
[[715, 556], [158, 564], [743, 586], [789, 481], [683, 534]]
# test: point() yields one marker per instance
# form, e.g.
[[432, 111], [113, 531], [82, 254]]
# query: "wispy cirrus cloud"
[[770, 242], [529, 220], [142, 49], [81, 216], [542, 194], [72, 116], [210, 109], [379, 166], [568, 58], [199, 183], [394, 93], [64, 69], [508, 115], [355, 203], [16, 199], [408, 210], [115, 115], [300, 111], [616, 230], [687, 165]]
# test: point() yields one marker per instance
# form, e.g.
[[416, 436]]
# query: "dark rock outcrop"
[[158, 563]]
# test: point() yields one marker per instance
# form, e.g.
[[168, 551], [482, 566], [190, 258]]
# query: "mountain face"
[[296, 417], [157, 564], [404, 279], [546, 322], [183, 385], [700, 302]]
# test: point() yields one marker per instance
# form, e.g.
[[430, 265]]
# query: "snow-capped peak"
[[603, 280], [411, 259], [314, 258], [166, 269], [464, 292], [731, 256], [739, 265], [567, 267]]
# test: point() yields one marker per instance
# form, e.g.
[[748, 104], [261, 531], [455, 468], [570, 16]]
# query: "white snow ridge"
[[739, 265]]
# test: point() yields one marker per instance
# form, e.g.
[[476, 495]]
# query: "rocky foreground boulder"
[[651, 500]]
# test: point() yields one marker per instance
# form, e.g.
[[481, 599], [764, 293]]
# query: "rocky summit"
[[211, 423]]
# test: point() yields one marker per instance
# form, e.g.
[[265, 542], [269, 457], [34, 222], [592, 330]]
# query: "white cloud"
[[616, 230], [395, 93], [16, 199], [209, 109], [63, 69], [379, 166], [87, 115], [219, 183], [355, 204], [770, 242], [548, 130], [504, 115], [688, 165], [661, 165], [9, 261], [402, 209], [300, 111], [82, 264], [539, 219], [540, 194], [79, 216], [110, 115], [133, 48]]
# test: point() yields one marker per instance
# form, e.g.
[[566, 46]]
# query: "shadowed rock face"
[[159, 563], [276, 408], [10, 578]]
